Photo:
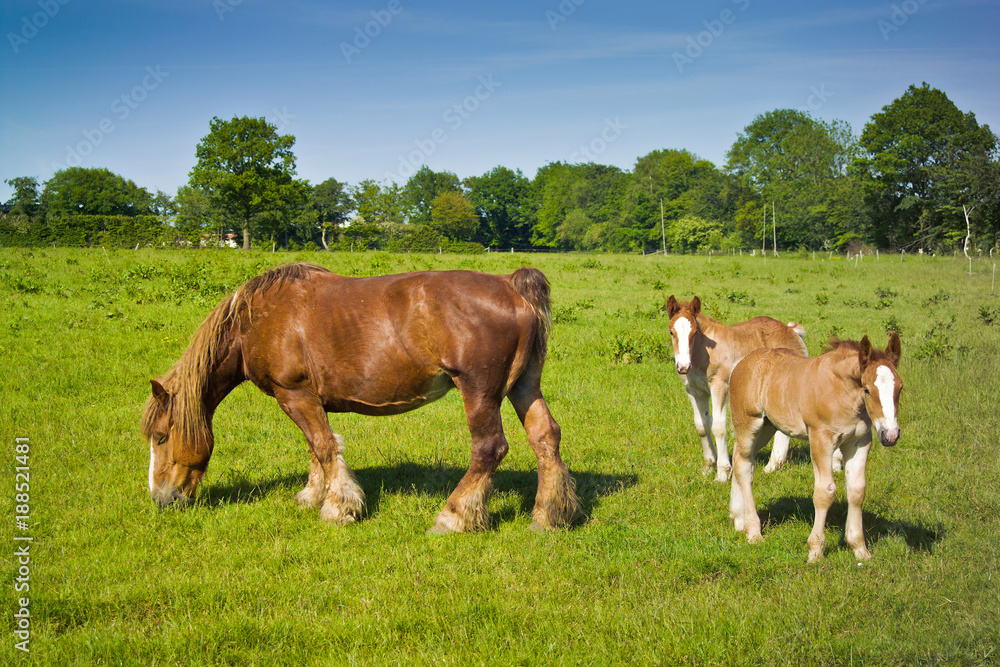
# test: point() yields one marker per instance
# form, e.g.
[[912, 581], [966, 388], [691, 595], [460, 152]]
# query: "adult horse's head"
[[683, 326], [882, 386], [180, 445]]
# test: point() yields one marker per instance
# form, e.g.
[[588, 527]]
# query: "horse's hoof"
[[540, 528], [440, 529], [755, 539], [722, 477]]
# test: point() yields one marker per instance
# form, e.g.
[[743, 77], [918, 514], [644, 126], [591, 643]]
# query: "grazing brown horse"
[[705, 352], [319, 342], [832, 400]]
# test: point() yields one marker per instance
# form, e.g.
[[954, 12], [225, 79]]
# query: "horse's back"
[[387, 344]]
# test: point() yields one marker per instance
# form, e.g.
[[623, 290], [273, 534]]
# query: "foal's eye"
[[867, 393]]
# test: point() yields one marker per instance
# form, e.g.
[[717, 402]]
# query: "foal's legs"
[[779, 452], [824, 489], [556, 503], [751, 435], [703, 423], [466, 509], [330, 480], [720, 402], [855, 460]]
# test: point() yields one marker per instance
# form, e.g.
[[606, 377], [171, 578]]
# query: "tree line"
[[922, 174]]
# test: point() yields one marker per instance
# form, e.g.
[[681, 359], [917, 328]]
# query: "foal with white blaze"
[[832, 400], [705, 352]]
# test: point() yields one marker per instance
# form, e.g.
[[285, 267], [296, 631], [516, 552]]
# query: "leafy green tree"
[[25, 202], [797, 166], [332, 202], [672, 179], [576, 204], [691, 234], [93, 191], [454, 216], [503, 199], [195, 216], [247, 168], [920, 161], [423, 188]]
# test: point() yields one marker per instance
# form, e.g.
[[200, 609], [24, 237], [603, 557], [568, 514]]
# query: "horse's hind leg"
[[330, 480], [466, 508], [556, 503], [779, 452]]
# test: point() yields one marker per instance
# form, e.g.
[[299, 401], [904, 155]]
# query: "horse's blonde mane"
[[187, 380]]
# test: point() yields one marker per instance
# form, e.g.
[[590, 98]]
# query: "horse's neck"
[[227, 374], [714, 338], [845, 378]]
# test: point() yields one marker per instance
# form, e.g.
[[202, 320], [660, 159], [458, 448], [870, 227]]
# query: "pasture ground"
[[655, 575]]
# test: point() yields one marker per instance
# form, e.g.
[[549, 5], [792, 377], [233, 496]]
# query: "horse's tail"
[[798, 328], [532, 286], [801, 332]]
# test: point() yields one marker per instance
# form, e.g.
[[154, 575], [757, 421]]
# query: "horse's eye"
[[867, 393]]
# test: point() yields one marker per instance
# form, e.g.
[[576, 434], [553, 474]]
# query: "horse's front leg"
[[720, 402], [821, 446], [752, 433], [466, 510], [700, 403], [556, 503], [331, 482], [855, 462], [315, 489]]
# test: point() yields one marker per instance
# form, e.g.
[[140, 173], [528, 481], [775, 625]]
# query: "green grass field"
[[655, 575]]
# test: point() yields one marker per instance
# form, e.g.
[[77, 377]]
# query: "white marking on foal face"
[[682, 352], [885, 382]]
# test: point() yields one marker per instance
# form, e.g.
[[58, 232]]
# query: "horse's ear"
[[672, 306], [159, 393], [894, 349], [865, 353], [695, 305]]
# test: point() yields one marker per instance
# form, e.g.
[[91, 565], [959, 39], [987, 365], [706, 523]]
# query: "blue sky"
[[375, 88]]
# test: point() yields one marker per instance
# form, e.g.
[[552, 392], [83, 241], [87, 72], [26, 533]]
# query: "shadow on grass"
[[918, 537], [422, 478]]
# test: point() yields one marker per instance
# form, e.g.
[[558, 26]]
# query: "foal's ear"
[[865, 353], [894, 349], [695, 305], [672, 306]]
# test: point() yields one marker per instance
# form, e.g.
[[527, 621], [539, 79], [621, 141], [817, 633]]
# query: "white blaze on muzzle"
[[682, 355], [152, 458], [885, 381]]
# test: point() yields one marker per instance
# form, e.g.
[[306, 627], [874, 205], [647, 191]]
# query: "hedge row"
[[86, 230]]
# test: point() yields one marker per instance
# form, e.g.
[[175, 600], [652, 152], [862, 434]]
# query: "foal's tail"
[[533, 287]]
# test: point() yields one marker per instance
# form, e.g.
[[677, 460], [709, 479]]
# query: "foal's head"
[[683, 326], [180, 445], [882, 385]]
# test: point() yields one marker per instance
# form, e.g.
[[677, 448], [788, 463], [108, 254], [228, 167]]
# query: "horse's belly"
[[379, 397]]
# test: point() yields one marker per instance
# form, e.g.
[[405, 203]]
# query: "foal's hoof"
[[771, 467], [722, 476]]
